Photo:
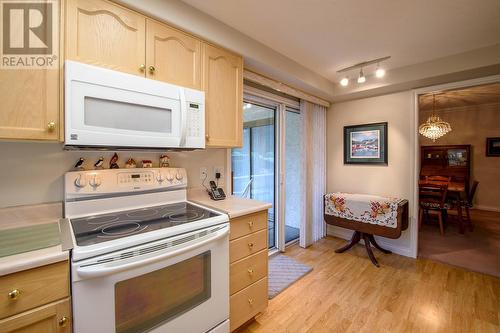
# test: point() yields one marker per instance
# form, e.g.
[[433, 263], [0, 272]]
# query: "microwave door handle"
[[184, 116], [101, 270]]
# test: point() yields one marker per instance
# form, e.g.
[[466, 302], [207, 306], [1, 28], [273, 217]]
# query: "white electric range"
[[143, 258]]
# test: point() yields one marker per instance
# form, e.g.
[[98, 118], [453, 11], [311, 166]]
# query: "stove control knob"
[[170, 177], [95, 181], [81, 181], [160, 177], [179, 176]]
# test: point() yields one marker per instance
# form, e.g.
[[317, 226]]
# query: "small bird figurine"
[[112, 162], [79, 164], [99, 163]]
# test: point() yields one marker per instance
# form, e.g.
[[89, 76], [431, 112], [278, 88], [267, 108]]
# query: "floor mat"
[[283, 272]]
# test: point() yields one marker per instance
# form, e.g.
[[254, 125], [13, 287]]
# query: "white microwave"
[[106, 109]]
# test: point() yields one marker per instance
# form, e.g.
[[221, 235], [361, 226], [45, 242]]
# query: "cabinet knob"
[[63, 322], [250, 301], [207, 137], [250, 224], [250, 245], [51, 126], [152, 69], [14, 294], [250, 271], [142, 67]]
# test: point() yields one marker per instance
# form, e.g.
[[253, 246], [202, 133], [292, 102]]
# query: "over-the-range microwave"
[[106, 109]]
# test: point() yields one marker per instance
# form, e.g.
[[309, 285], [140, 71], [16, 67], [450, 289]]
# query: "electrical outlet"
[[220, 170], [203, 173]]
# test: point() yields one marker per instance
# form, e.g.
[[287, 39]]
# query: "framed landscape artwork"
[[365, 144]]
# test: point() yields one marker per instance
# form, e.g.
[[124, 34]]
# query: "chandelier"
[[434, 127]]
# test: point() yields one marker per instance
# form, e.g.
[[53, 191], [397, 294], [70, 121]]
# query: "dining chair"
[[432, 198], [469, 202], [438, 179]]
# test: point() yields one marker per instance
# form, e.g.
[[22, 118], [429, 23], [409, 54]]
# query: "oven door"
[[108, 108], [179, 284]]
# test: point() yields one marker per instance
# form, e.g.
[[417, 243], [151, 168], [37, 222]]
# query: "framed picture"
[[493, 147], [365, 144]]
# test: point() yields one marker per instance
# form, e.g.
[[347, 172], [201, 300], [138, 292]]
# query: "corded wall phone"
[[215, 192]]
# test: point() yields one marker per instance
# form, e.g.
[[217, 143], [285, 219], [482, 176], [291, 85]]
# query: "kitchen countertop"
[[25, 216], [233, 206]]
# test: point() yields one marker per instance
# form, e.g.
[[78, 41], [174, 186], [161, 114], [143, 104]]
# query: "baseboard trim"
[[487, 208], [346, 234]]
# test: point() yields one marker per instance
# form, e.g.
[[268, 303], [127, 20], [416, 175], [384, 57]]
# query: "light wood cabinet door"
[[175, 57], [104, 34], [223, 85], [30, 104], [51, 318]]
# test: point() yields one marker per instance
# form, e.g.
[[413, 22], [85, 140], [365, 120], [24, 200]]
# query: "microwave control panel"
[[195, 120]]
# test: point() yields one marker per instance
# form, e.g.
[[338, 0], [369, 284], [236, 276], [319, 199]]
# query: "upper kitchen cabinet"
[[101, 33], [223, 85], [172, 56], [30, 104]]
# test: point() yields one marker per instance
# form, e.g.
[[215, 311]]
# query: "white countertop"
[[233, 206], [24, 216]]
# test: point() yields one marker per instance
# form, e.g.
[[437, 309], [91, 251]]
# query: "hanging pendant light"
[[434, 127]]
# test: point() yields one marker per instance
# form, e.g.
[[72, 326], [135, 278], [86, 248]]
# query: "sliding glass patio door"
[[269, 165]]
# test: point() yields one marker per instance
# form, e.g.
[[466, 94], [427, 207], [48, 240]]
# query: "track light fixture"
[[344, 82], [361, 77], [379, 71]]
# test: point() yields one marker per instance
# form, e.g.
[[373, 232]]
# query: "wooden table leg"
[[378, 247], [356, 237], [366, 238], [460, 219]]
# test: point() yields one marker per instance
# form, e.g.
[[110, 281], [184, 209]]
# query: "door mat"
[[283, 272]]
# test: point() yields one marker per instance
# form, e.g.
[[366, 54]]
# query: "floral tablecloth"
[[365, 208]]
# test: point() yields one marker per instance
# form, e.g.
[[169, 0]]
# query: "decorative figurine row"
[[130, 163]]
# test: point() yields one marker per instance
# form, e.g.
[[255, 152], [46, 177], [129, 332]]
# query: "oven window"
[[120, 115], [149, 300]]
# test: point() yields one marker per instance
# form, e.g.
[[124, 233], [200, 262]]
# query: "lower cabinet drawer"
[[32, 288], [246, 271], [247, 245], [247, 303], [244, 225], [51, 318]]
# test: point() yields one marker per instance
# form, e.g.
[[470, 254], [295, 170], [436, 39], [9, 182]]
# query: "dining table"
[[456, 191]]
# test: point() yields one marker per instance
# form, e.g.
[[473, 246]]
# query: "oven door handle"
[[105, 269]]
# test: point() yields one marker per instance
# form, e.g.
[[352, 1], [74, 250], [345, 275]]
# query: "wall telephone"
[[215, 192]]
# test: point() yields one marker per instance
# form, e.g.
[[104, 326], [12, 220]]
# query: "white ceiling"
[[327, 35]]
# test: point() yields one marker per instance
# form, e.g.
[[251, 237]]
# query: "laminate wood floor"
[[346, 293]]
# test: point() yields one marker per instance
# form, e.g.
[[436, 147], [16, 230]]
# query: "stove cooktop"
[[105, 227]]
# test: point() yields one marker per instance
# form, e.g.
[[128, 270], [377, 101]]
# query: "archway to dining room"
[[458, 172]]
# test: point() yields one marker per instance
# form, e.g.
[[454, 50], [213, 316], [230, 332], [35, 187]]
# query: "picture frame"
[[366, 144], [493, 147]]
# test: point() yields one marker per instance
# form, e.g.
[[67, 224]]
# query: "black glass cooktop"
[[101, 228]]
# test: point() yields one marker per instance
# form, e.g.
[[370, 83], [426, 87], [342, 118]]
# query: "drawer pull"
[[51, 126], [250, 301], [14, 294], [250, 245], [63, 322], [250, 271], [250, 224]]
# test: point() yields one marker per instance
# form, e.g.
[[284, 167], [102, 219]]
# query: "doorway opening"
[[459, 178]]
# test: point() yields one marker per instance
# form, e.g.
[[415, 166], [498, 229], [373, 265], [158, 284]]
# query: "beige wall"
[[472, 125], [32, 173], [391, 180]]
